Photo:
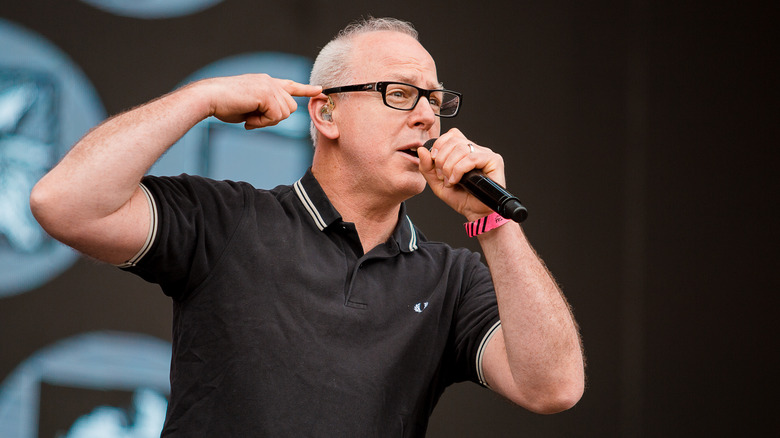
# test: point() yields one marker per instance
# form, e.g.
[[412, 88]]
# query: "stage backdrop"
[[638, 134]]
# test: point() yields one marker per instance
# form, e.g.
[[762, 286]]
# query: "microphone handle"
[[493, 195]]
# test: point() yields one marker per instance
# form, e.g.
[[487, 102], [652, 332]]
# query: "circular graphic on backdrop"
[[46, 105], [94, 363], [264, 157], [151, 9]]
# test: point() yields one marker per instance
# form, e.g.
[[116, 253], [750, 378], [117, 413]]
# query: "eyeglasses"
[[404, 97]]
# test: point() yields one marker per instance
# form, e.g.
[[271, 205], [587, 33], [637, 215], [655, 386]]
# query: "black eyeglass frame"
[[380, 87]]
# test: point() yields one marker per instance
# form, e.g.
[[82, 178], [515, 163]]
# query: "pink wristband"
[[485, 224]]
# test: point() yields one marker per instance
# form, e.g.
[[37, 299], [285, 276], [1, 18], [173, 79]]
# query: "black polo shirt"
[[283, 327]]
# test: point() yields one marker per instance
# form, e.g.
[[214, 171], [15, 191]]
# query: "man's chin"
[[415, 185]]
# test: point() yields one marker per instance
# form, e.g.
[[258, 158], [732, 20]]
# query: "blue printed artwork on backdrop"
[[263, 157], [96, 361], [46, 105], [151, 9]]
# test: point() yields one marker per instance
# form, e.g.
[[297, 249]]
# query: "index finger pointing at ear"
[[298, 89]]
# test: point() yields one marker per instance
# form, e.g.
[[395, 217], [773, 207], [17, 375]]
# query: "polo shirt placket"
[[328, 220]]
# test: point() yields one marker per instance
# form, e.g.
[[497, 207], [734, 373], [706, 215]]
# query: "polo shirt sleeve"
[[194, 219], [476, 319]]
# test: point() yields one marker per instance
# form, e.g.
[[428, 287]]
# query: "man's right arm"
[[92, 201]]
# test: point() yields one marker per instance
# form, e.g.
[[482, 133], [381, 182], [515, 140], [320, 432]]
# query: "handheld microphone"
[[490, 193]]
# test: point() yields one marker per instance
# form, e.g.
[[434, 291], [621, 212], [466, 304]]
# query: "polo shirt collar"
[[324, 214], [314, 200], [405, 234]]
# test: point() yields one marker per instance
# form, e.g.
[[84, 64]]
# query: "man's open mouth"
[[410, 151]]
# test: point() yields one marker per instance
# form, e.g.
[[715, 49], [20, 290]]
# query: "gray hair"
[[333, 64]]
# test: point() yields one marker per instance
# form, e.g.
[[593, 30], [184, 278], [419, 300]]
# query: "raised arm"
[[535, 359], [92, 201]]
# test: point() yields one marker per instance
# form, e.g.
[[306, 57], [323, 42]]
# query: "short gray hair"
[[333, 64]]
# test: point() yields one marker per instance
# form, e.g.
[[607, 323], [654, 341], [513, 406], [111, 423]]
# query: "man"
[[318, 309]]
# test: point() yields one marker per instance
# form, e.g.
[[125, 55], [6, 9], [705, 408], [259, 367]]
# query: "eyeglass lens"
[[404, 97]]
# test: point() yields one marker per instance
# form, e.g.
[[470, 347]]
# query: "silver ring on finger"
[[471, 148]]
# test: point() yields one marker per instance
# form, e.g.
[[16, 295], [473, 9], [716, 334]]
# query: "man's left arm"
[[535, 359]]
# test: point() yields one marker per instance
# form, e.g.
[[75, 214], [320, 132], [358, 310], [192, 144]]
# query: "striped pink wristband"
[[485, 224]]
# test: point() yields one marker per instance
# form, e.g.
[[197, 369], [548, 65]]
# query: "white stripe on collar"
[[304, 197], [413, 233]]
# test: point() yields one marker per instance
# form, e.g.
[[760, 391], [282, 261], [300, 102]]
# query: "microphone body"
[[491, 193]]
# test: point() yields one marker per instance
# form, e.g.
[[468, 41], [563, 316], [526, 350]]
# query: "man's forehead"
[[414, 80], [395, 57]]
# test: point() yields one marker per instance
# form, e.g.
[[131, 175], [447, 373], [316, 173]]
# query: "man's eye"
[[398, 93]]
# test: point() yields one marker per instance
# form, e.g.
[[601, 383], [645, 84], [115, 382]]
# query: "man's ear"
[[321, 113]]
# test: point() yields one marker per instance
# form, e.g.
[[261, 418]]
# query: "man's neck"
[[374, 217]]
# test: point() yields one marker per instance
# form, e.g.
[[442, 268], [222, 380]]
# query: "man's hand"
[[257, 100], [446, 163]]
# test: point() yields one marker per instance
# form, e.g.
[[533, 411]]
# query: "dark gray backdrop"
[[637, 133]]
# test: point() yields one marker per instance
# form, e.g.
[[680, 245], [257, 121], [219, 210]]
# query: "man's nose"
[[423, 112]]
